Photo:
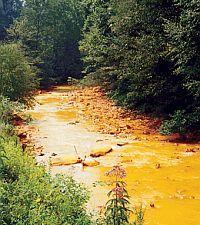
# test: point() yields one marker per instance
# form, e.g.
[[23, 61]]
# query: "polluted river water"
[[162, 176]]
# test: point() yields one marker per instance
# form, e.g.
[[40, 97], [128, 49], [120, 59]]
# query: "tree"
[[146, 54], [96, 37], [9, 10], [50, 31], [17, 76], [184, 51], [121, 47]]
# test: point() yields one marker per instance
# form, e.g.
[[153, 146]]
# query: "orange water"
[[158, 172]]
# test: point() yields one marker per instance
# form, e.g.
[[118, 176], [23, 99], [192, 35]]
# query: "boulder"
[[100, 151], [65, 160]]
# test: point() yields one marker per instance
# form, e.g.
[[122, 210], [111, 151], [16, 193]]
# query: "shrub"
[[181, 122], [7, 109], [29, 195], [17, 76]]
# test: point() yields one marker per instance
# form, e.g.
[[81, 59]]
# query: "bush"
[[17, 76], [182, 122], [7, 109], [29, 195]]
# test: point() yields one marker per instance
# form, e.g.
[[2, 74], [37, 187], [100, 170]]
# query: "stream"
[[163, 176]]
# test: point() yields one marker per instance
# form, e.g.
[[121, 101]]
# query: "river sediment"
[[72, 126]]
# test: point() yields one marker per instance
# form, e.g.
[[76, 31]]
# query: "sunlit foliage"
[[29, 195], [17, 75]]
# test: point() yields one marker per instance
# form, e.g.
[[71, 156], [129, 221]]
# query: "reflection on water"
[[160, 172]]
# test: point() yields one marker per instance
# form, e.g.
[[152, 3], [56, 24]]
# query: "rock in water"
[[90, 162], [65, 160], [100, 151], [121, 144]]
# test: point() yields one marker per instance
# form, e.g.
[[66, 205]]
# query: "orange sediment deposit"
[[106, 117], [164, 176]]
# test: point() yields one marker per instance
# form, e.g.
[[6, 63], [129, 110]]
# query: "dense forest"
[[145, 54]]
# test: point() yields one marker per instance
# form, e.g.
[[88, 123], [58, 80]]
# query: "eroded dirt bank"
[[70, 124]]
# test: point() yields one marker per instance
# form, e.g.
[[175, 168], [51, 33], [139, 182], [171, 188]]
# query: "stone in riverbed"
[[65, 160], [121, 144], [100, 151], [54, 154], [90, 162]]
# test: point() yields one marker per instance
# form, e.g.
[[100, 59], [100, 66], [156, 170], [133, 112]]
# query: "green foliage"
[[7, 109], [146, 54], [29, 195], [96, 35], [50, 32], [176, 124], [9, 10], [2, 156], [139, 214], [181, 122], [184, 51], [135, 67], [17, 76]]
